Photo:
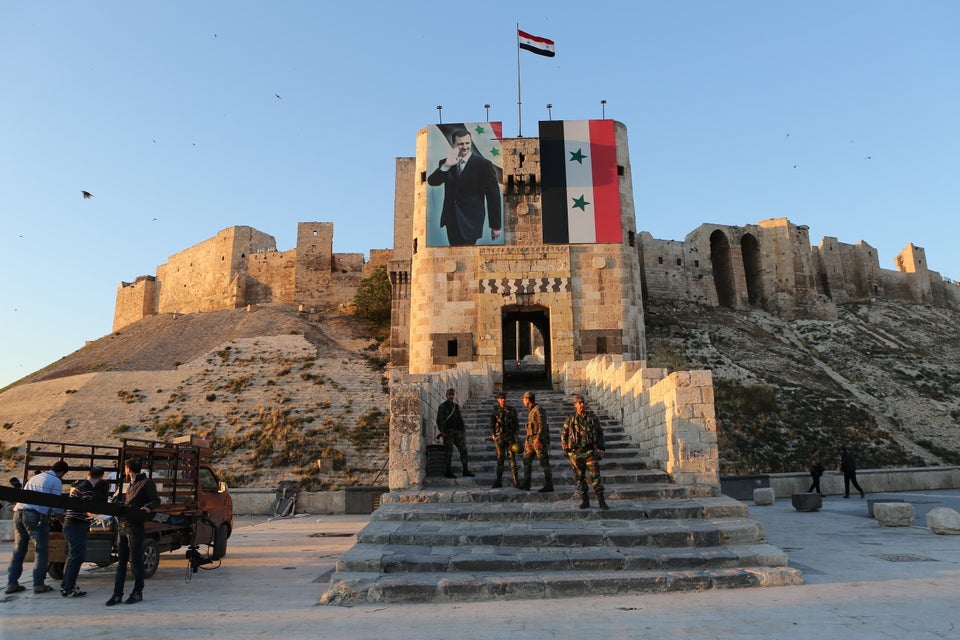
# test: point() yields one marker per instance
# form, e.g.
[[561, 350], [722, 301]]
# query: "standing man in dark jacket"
[[582, 440], [504, 425], [537, 444], [471, 193], [140, 500], [848, 465], [453, 431], [76, 531]]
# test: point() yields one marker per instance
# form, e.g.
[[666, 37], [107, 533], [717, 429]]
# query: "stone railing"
[[414, 399], [670, 417]]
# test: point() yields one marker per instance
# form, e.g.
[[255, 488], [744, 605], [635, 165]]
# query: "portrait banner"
[[464, 184]]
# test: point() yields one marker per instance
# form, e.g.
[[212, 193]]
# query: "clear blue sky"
[[843, 116]]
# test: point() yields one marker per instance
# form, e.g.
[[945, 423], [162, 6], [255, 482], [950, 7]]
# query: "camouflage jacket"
[[582, 434], [504, 424], [449, 418]]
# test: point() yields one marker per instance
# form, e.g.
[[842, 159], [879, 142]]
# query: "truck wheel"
[[151, 558], [220, 542], [55, 569]]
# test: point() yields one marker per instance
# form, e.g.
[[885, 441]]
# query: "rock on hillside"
[[274, 393], [882, 379]]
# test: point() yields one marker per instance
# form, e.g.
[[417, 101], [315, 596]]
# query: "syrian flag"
[[580, 190], [536, 44]]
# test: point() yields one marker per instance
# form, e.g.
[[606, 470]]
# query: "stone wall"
[[135, 301], [670, 417]]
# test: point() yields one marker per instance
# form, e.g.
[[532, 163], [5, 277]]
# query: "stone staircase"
[[459, 540]]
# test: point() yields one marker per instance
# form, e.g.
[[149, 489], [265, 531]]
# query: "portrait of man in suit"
[[472, 199]]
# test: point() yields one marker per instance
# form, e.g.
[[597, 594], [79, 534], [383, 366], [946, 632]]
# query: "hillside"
[[882, 379], [274, 392], [277, 393]]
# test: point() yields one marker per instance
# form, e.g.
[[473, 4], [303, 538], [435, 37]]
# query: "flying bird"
[[86, 195], [278, 96]]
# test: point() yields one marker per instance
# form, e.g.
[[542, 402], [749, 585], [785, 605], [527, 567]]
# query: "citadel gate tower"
[[562, 272]]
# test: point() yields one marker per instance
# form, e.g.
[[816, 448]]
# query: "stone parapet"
[[671, 417]]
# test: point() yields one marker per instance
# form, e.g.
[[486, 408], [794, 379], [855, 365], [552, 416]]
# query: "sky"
[[183, 118]]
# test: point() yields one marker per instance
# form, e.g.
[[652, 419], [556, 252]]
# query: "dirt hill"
[[282, 397], [882, 380]]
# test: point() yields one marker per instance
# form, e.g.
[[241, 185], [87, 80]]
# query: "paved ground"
[[863, 581]]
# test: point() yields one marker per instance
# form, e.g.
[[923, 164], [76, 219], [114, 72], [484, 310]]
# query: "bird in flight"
[[86, 195], [278, 96]]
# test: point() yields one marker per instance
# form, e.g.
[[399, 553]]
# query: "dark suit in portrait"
[[471, 193]]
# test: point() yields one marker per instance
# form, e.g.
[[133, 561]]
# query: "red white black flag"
[[536, 44]]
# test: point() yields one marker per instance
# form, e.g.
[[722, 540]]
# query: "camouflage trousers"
[[503, 450], [453, 439], [584, 464], [543, 455]]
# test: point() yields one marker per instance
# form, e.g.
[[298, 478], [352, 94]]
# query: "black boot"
[[601, 502], [448, 473], [525, 485], [547, 488], [499, 481], [466, 472], [584, 501]]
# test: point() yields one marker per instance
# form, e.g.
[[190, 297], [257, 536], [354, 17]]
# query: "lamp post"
[[440, 112], [603, 109], [549, 111], [487, 107]]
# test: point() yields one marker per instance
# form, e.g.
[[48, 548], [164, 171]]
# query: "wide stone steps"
[[456, 539]]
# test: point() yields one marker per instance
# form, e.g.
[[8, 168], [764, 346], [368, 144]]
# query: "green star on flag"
[[494, 151], [480, 129], [580, 202], [577, 155]]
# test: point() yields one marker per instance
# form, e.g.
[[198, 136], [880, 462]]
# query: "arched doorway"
[[525, 332], [750, 251], [722, 269]]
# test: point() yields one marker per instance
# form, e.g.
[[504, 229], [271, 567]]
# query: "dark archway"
[[722, 269], [750, 251], [525, 335]]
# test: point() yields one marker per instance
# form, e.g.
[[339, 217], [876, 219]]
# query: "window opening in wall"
[[452, 348], [315, 233], [631, 238], [423, 176], [619, 169], [659, 259], [696, 263], [679, 262], [601, 344], [414, 245]]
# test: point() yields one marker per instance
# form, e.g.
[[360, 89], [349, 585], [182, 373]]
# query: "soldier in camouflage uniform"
[[536, 445], [582, 440], [504, 426], [453, 431]]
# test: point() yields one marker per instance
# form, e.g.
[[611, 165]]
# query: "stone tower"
[[543, 288]]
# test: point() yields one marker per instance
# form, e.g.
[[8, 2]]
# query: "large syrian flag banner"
[[580, 190]]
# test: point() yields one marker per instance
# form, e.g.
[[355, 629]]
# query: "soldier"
[[453, 431], [504, 426], [582, 440], [537, 444]]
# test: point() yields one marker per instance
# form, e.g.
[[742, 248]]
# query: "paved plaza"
[[862, 581]]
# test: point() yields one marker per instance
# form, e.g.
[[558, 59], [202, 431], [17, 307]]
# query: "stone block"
[[944, 521], [807, 501], [763, 497], [893, 514], [873, 501]]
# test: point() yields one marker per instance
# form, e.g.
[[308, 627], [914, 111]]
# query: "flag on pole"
[[536, 44], [580, 189]]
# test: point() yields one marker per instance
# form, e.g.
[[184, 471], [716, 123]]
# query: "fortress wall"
[[666, 277], [269, 277], [314, 264], [135, 301], [828, 261], [210, 275], [913, 260]]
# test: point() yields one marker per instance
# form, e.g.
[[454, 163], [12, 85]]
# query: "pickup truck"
[[195, 510]]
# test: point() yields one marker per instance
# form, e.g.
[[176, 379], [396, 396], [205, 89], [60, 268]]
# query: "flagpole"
[[519, 108]]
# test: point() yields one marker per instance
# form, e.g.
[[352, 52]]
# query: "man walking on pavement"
[[504, 425], [537, 444], [582, 440]]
